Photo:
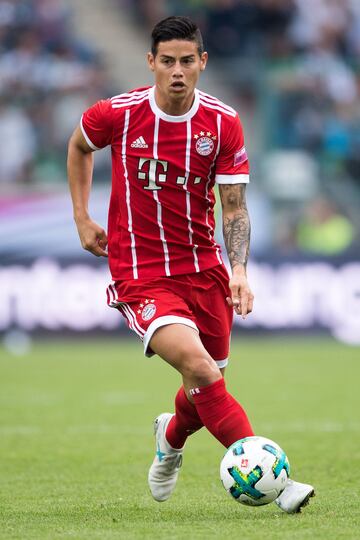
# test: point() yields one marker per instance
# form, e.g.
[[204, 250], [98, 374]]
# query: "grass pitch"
[[76, 442]]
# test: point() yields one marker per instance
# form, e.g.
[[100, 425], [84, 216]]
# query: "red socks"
[[185, 422], [215, 409], [221, 414]]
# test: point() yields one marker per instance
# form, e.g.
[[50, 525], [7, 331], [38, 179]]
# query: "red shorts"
[[196, 300]]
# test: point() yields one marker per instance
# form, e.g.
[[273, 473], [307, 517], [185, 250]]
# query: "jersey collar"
[[168, 117]]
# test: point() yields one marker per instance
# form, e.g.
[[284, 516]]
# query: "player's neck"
[[173, 107]]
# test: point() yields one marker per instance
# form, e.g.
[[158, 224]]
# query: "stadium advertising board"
[[48, 296]]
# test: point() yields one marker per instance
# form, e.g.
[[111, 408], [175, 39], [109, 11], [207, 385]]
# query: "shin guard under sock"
[[221, 414], [185, 422]]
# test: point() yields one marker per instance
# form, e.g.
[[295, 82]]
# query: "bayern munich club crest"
[[204, 143], [147, 309]]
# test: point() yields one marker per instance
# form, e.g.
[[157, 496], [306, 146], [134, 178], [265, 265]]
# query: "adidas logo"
[[139, 143]]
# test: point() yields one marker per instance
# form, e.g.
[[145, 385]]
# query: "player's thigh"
[[181, 347], [214, 317], [163, 320]]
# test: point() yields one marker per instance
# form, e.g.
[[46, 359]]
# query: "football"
[[254, 471]]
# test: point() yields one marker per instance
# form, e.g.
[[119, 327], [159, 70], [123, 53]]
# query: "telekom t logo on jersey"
[[158, 173]]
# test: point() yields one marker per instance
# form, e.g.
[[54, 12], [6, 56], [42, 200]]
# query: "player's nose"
[[177, 72]]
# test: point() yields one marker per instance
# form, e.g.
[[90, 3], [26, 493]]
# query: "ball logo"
[[204, 146], [244, 463], [148, 312]]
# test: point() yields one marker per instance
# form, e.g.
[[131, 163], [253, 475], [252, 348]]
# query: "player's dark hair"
[[176, 27]]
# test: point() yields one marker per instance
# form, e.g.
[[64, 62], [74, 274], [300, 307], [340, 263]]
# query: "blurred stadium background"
[[292, 70], [75, 407]]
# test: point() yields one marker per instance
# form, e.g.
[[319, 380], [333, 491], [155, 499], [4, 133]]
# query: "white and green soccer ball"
[[254, 471]]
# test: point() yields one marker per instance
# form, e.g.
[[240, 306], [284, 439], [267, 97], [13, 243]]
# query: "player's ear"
[[151, 61], [203, 60]]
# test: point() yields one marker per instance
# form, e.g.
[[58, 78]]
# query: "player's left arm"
[[236, 231]]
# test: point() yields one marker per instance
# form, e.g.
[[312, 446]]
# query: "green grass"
[[76, 442]]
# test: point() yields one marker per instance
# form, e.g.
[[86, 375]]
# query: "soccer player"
[[171, 144]]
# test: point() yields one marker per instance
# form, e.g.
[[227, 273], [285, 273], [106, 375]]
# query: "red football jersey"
[[161, 218]]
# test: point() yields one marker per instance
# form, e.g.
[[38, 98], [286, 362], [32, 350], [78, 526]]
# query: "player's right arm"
[[80, 165]]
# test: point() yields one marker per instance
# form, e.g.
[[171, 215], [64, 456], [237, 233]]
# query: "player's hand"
[[93, 238], [242, 299]]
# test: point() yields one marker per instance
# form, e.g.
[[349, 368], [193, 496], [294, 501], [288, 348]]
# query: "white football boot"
[[294, 497], [164, 470]]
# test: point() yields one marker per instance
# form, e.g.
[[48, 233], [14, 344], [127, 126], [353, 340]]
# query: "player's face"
[[177, 66]]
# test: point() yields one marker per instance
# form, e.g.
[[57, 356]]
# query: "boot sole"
[[305, 502]]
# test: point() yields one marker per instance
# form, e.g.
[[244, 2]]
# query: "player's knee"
[[202, 370]]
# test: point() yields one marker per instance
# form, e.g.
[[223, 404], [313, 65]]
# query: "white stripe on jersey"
[[232, 178], [86, 137], [217, 151], [130, 226], [216, 107], [210, 230], [216, 101], [158, 203], [134, 101], [188, 201], [129, 95]]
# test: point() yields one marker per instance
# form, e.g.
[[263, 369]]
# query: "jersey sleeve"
[[97, 124], [232, 164]]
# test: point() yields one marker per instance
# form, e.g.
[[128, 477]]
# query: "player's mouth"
[[177, 86]]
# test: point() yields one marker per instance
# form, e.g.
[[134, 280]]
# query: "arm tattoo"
[[236, 223]]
